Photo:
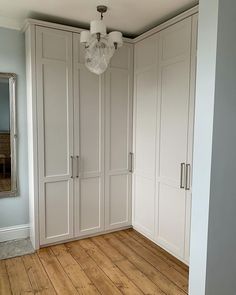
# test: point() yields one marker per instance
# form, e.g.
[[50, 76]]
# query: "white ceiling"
[[132, 17]]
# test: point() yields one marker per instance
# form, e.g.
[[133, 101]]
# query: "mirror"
[[8, 175]]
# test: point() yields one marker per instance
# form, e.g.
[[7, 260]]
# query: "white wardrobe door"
[[118, 138], [89, 147], [55, 133], [190, 134], [174, 91], [145, 110]]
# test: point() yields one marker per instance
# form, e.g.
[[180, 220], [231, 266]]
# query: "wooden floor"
[[119, 263]]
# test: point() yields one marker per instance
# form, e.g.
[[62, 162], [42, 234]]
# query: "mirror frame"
[[13, 134]]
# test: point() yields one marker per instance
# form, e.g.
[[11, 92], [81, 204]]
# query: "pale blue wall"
[[14, 211], [4, 107]]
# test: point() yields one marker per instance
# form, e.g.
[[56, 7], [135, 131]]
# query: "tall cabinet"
[[80, 138], [163, 135]]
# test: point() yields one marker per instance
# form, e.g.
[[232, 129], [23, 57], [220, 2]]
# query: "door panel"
[[88, 146], [146, 103], [174, 100], [122, 58], [145, 116], [57, 201], [118, 84], [90, 200], [119, 119], [174, 41], [172, 218], [55, 118], [146, 53], [89, 121], [144, 205], [55, 133], [54, 46], [119, 199], [174, 119]]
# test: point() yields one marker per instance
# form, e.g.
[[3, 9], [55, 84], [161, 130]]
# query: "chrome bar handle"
[[72, 166], [187, 180], [132, 166], [131, 162], [182, 175], [77, 173]]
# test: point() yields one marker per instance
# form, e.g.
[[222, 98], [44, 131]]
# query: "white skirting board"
[[139, 230], [14, 232]]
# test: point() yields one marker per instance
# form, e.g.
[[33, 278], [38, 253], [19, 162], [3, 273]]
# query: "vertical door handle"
[[182, 175], [131, 162], [77, 173], [72, 166], [187, 181]]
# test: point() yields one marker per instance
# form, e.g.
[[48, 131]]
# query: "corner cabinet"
[[164, 93], [80, 137]]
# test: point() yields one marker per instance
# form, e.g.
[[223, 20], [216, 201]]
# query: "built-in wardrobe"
[[164, 92], [80, 137], [111, 151]]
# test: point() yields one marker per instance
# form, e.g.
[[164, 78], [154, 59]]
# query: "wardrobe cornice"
[[35, 22], [167, 24]]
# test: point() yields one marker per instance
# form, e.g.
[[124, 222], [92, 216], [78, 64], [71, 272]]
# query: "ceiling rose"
[[99, 46]]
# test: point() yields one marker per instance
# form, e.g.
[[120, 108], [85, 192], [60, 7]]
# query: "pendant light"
[[99, 46]]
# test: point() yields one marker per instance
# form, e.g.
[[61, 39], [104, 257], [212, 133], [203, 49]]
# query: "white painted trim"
[[32, 135], [31, 21], [41, 23], [167, 24], [10, 23], [14, 232], [101, 233]]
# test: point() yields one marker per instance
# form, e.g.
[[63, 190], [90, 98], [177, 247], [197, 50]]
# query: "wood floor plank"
[[94, 273], [74, 271], [110, 251], [123, 262], [171, 273], [174, 262], [111, 270], [61, 282], [38, 277], [136, 276], [5, 287], [167, 286], [18, 277]]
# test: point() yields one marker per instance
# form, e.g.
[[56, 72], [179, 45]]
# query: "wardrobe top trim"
[[153, 31], [31, 21], [167, 24]]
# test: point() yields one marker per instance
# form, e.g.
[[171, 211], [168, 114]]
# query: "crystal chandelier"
[[99, 46]]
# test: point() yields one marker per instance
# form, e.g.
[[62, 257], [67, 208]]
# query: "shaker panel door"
[[174, 96], [55, 133], [118, 141], [144, 135], [88, 146]]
